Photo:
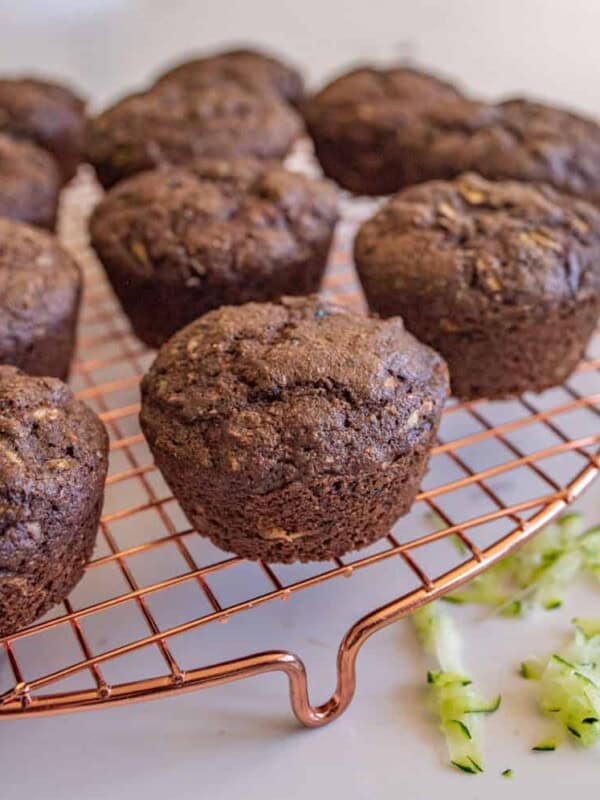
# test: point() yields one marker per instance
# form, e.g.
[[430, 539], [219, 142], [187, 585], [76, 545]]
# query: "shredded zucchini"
[[570, 686], [545, 746], [532, 669], [457, 704], [537, 574], [589, 626], [590, 548], [569, 680]]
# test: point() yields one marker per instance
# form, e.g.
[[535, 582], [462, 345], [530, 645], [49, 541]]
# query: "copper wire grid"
[[499, 473]]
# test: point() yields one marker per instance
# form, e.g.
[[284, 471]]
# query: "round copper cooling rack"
[[499, 473]]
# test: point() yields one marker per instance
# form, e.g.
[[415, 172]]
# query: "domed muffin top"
[[213, 216], [377, 97], [173, 126], [24, 99], [518, 139], [251, 68], [472, 245], [47, 113], [44, 431], [275, 391]]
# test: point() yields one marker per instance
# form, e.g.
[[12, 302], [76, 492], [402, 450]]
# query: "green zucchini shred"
[[462, 728], [588, 627], [563, 661], [465, 767], [512, 609], [532, 669], [507, 773], [447, 678], [551, 605], [458, 706], [569, 684], [488, 708], [536, 574], [472, 766]]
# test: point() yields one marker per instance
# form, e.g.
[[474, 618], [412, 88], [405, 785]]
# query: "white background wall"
[[547, 48]]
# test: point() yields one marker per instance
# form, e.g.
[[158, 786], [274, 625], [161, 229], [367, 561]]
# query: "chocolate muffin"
[[503, 279], [293, 430], [30, 183], [50, 115], [40, 289], [219, 232], [53, 461], [517, 140], [251, 68], [354, 120], [172, 126]]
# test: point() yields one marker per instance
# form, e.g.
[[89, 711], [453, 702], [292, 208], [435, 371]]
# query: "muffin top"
[[53, 458], [368, 98], [39, 281], [29, 182], [215, 218], [470, 246], [48, 114], [251, 68], [171, 125], [517, 139], [278, 392]]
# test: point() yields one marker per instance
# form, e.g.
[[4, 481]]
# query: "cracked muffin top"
[[48, 114], [29, 182], [215, 216], [251, 68], [169, 125], [272, 392], [469, 246], [518, 140]]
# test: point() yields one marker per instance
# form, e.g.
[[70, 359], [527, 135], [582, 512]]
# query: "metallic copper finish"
[[122, 366]]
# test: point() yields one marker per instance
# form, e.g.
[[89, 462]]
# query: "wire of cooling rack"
[[499, 472]]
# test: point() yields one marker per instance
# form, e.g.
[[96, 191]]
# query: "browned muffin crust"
[[353, 122], [293, 430], [503, 279], [53, 461], [219, 232], [48, 114], [518, 140], [250, 68], [29, 183], [40, 290], [172, 126]]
